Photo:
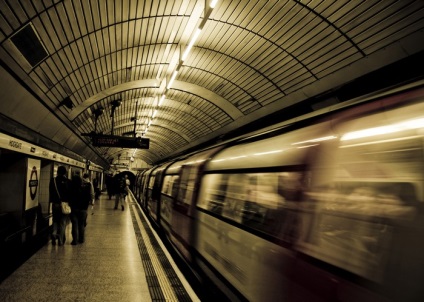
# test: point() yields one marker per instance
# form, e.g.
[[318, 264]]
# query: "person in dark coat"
[[120, 191], [82, 194], [109, 186], [97, 191], [59, 191]]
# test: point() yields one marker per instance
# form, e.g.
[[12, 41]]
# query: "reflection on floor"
[[106, 267]]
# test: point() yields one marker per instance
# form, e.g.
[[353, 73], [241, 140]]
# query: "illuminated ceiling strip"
[[190, 45], [172, 79], [161, 100], [213, 3], [196, 35]]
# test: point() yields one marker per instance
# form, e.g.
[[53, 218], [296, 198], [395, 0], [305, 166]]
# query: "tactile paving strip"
[[162, 281]]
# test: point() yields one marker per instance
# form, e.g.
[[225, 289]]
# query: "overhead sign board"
[[120, 141]]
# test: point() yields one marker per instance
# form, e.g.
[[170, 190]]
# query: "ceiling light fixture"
[[213, 3], [161, 100], [206, 13], [190, 45], [174, 75]]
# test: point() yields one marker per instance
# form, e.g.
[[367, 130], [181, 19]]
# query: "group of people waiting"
[[79, 193]]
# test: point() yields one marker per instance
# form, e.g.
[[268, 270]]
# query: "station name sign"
[[120, 141]]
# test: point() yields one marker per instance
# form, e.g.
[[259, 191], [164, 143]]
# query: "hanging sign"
[[120, 141]]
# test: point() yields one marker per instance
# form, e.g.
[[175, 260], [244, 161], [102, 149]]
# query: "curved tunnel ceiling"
[[250, 59]]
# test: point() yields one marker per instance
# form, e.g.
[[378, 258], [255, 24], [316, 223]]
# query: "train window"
[[215, 187], [400, 158], [235, 196], [166, 184], [174, 190], [186, 185], [261, 201], [151, 182], [358, 220], [170, 185]]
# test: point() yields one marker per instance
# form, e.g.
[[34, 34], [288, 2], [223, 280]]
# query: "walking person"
[[127, 186], [82, 194], [110, 185], [59, 191], [120, 192]]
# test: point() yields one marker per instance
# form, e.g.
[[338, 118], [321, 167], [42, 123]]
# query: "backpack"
[[86, 193]]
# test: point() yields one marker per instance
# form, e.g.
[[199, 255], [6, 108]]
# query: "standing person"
[[82, 194], [96, 189], [109, 186], [120, 192], [59, 191]]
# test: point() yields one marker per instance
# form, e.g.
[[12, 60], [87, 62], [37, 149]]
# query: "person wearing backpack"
[[82, 194], [121, 191], [58, 192]]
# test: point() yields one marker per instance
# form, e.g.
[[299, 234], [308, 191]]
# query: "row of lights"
[[195, 36]]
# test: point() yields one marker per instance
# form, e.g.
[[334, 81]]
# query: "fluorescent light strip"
[[161, 100], [190, 45], [174, 75], [213, 3]]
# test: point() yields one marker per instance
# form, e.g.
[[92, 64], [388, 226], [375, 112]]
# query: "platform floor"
[[120, 260]]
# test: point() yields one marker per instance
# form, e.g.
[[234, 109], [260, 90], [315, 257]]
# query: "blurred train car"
[[25, 211], [326, 207]]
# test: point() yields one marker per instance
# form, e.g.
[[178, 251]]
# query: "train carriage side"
[[144, 187], [247, 212], [137, 185], [320, 213], [151, 204], [167, 196], [154, 199], [184, 194]]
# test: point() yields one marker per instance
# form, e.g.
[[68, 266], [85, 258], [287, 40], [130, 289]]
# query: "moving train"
[[324, 207]]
